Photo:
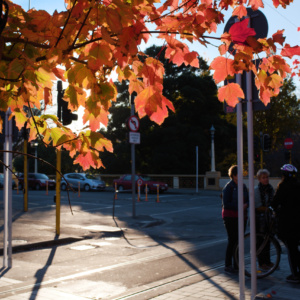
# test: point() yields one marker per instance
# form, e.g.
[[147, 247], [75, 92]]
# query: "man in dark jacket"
[[287, 206], [230, 217]]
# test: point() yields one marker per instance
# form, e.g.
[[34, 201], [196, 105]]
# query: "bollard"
[[46, 187], [78, 188], [157, 199], [146, 193], [139, 192], [17, 186], [116, 195]]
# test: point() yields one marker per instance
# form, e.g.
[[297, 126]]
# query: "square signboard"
[[134, 137]]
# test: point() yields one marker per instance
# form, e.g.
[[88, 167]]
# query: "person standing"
[[263, 196], [230, 217], [287, 207]]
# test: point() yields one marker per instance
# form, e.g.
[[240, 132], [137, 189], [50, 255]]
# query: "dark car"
[[37, 181], [2, 182], [125, 183], [87, 182]]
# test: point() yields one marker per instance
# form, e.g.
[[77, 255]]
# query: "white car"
[[86, 182]]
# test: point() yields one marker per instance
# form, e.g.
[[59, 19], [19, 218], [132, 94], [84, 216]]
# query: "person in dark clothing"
[[287, 206], [230, 217], [263, 195]]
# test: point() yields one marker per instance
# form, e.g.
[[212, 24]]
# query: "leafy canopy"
[[86, 43]]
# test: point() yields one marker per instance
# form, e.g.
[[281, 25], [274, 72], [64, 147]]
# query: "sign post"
[[133, 125]]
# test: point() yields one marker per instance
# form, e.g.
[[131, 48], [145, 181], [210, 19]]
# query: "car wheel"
[[37, 187], [120, 188], [87, 188], [63, 187]]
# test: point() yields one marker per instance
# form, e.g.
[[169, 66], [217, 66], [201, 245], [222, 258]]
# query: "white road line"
[[197, 246]]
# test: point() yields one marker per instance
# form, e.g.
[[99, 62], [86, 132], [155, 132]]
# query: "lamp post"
[[212, 132]]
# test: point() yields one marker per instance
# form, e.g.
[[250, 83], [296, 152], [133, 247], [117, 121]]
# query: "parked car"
[[36, 181], [125, 183], [87, 182], [2, 182]]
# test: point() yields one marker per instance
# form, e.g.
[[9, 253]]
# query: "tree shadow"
[[40, 273]]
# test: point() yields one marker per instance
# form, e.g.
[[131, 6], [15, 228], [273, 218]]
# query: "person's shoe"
[[230, 270], [293, 279]]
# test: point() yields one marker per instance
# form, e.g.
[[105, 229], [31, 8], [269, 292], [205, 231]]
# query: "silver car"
[[86, 182]]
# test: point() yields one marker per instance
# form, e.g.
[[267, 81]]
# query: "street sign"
[[134, 137], [288, 143], [133, 123], [140, 182]]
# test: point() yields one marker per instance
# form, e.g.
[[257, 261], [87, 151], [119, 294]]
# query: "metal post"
[[7, 235], [251, 183], [25, 187], [240, 192], [133, 162], [58, 180], [197, 169], [212, 131]]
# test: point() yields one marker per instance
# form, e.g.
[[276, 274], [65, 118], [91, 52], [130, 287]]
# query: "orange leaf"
[[88, 159], [223, 67], [240, 11], [256, 4], [231, 94]]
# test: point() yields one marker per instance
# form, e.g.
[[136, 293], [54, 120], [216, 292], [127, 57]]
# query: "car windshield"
[[88, 176], [146, 178], [41, 176]]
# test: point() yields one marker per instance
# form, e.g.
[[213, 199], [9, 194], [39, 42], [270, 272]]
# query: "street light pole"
[[212, 131]]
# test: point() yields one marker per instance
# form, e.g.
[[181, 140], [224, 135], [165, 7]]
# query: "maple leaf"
[[256, 4], [231, 94], [290, 51], [223, 68], [240, 11], [88, 159], [240, 31], [278, 37]]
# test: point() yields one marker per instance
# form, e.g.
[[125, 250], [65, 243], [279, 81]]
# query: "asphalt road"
[[167, 243]]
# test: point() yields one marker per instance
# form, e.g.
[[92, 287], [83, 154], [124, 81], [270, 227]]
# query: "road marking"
[[196, 246]]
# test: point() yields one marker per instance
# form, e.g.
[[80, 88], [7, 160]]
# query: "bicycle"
[[266, 244]]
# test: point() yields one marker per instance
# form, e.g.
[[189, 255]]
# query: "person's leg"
[[231, 225], [292, 248]]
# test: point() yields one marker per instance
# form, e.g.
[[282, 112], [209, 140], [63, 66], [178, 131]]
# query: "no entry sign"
[[288, 143]]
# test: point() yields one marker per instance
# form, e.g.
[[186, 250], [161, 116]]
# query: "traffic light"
[[64, 114], [267, 143]]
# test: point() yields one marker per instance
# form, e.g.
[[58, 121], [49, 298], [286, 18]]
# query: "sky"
[[278, 19]]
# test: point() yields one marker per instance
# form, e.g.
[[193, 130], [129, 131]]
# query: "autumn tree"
[[91, 39]]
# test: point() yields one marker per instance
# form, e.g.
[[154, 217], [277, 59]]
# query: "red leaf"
[[256, 4], [240, 11], [278, 37], [240, 31], [290, 51]]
